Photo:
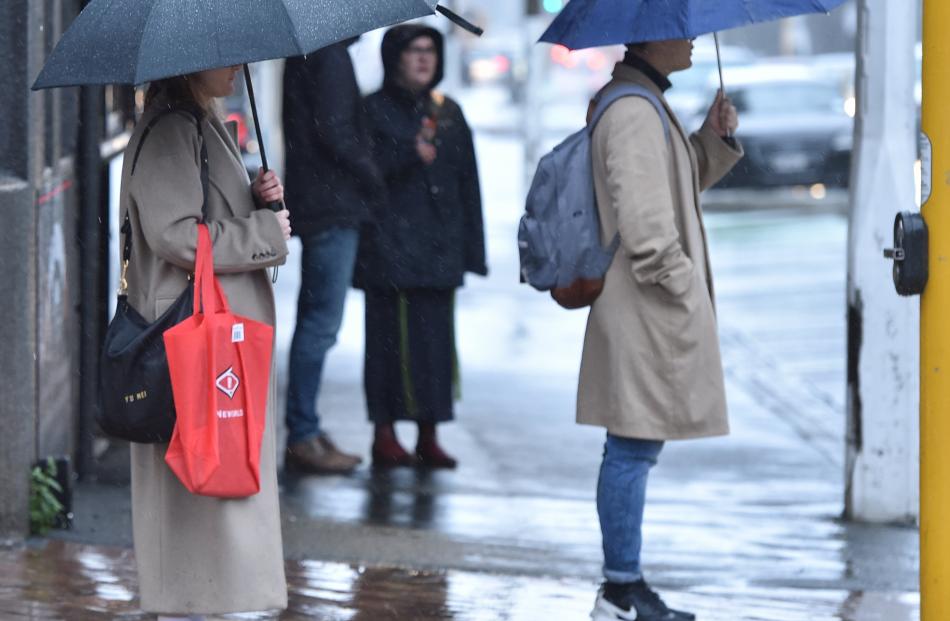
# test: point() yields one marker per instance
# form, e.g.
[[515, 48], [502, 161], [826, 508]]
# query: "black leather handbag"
[[135, 393]]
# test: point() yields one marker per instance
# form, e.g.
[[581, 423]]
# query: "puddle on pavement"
[[56, 580]]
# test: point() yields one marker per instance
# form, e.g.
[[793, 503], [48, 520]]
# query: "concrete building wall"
[[39, 355], [17, 260]]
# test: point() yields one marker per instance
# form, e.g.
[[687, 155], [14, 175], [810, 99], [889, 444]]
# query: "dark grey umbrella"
[[138, 41]]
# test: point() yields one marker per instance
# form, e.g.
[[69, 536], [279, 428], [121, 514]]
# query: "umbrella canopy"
[[137, 41], [593, 23]]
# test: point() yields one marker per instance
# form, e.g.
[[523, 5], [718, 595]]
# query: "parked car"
[[495, 59], [838, 67], [793, 125]]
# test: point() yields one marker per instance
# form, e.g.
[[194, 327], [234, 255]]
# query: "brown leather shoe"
[[320, 456]]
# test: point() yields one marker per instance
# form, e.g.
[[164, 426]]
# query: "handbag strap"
[[197, 115]]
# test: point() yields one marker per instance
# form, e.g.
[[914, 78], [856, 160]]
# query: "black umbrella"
[[138, 41]]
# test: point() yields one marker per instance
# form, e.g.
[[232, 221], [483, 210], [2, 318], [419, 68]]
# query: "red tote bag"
[[219, 364]]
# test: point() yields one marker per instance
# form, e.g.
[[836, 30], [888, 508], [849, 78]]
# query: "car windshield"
[[786, 98]]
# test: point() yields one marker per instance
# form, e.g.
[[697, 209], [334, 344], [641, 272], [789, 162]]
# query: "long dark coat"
[[331, 178], [430, 231]]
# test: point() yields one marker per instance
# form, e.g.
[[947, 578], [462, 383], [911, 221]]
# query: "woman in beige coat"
[[198, 555], [651, 369]]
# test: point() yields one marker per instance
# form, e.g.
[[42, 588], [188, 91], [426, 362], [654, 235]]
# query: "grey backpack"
[[559, 234]]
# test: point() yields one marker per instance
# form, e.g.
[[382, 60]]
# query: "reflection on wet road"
[[70, 582]]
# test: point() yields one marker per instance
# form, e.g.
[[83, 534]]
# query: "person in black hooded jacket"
[[427, 236]]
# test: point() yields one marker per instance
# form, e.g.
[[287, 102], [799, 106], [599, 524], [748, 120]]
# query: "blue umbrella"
[[593, 23]]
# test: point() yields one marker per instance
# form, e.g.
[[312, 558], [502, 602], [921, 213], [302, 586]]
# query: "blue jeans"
[[621, 494], [326, 272]]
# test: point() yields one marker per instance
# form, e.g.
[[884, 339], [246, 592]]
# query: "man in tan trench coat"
[[651, 368]]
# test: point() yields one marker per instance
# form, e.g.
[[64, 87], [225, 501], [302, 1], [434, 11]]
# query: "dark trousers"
[[410, 367]]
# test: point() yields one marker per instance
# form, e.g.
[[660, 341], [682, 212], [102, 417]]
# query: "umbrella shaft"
[[722, 84], [257, 124]]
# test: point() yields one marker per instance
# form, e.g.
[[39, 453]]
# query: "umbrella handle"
[[460, 21], [722, 84]]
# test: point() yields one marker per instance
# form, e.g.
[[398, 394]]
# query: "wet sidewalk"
[[57, 580], [742, 528]]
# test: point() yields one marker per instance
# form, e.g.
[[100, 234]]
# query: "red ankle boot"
[[387, 452], [428, 452]]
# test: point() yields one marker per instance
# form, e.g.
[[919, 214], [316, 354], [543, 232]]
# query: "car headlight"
[[843, 142]]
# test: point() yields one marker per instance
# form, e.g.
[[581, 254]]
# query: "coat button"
[[434, 190]]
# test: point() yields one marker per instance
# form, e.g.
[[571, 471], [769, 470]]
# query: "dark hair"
[[177, 89], [638, 47]]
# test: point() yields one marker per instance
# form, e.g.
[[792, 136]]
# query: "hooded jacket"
[[429, 231], [331, 178]]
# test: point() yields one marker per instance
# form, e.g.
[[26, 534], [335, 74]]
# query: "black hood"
[[395, 42]]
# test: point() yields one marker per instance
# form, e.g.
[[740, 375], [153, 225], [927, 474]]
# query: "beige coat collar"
[[626, 73]]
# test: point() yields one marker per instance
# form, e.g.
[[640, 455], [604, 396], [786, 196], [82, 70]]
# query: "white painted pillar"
[[882, 467]]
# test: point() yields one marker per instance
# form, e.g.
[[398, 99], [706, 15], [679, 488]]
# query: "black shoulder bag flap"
[[135, 393]]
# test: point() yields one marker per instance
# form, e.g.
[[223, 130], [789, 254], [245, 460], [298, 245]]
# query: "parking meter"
[[910, 253]]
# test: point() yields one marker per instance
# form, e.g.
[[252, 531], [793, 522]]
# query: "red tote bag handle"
[[209, 297]]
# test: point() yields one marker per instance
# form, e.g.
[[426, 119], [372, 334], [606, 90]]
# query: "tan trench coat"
[[197, 554], [651, 367]]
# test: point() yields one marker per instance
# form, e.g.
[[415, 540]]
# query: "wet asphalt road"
[[739, 528]]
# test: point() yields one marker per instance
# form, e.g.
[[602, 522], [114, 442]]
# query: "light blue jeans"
[[621, 494]]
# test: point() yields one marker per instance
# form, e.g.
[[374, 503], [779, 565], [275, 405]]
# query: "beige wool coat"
[[195, 554], [651, 366]]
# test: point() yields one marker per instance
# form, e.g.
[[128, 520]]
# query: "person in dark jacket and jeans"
[[428, 235], [332, 181]]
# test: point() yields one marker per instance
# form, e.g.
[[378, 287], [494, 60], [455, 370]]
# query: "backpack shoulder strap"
[[608, 96], [605, 98]]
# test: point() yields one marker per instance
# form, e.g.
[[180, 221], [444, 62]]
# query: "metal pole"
[[93, 268], [883, 398], [934, 330]]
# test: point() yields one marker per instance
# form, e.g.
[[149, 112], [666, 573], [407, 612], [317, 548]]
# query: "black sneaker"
[[634, 601]]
